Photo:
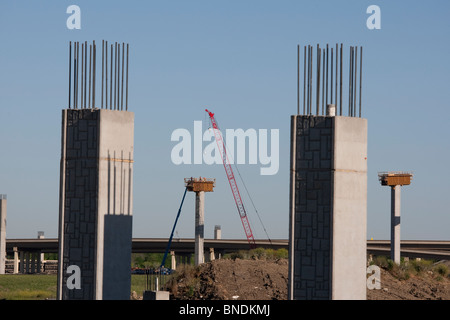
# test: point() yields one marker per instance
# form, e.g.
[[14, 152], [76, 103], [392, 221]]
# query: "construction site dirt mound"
[[427, 286], [238, 279]]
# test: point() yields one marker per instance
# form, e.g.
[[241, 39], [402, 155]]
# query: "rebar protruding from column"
[[85, 96], [126, 98], [360, 80], [340, 83], [330, 90], [298, 79]]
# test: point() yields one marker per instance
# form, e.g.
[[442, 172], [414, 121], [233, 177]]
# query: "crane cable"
[[245, 187], [253, 204]]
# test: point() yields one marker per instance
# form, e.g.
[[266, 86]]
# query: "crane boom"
[[232, 180]]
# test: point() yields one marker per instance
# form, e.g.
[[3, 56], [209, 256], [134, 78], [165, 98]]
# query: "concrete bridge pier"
[[328, 208], [16, 261], [174, 260], [199, 227], [199, 186], [30, 262], [2, 233]]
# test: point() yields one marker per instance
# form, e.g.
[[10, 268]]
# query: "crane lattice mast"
[[232, 180]]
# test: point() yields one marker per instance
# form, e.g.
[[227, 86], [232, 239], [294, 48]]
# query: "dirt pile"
[[427, 286], [238, 279], [228, 279]]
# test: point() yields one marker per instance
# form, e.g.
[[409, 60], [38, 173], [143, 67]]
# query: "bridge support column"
[[16, 261], [22, 262], [395, 224], [95, 215], [2, 233], [188, 258], [27, 262], [39, 262], [174, 260], [199, 227], [33, 262], [328, 208]]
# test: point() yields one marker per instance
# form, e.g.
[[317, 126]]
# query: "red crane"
[[232, 180]]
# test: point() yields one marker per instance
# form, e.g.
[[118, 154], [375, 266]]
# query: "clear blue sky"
[[237, 58]]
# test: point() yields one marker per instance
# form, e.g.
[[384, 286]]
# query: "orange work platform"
[[395, 178], [200, 184]]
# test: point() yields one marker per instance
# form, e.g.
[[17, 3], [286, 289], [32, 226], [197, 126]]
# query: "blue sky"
[[237, 58]]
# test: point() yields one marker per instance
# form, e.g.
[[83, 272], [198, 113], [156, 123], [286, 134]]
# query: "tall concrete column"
[[39, 261], [395, 180], [95, 219], [217, 232], [41, 236], [395, 223], [212, 255], [328, 208], [2, 233], [27, 262], [199, 227], [16, 261], [174, 260], [33, 262], [22, 262]]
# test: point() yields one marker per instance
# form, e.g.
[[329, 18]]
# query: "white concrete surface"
[[349, 219], [115, 192], [156, 295], [199, 254]]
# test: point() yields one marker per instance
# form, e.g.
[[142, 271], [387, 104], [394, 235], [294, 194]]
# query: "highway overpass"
[[431, 249]]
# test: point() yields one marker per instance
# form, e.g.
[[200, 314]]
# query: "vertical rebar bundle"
[[84, 96], [332, 79]]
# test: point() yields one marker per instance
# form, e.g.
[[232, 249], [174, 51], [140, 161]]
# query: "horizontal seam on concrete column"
[[118, 160], [105, 159], [347, 170]]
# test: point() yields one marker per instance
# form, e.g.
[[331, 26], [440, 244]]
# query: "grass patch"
[[138, 283], [442, 270], [27, 286], [406, 269], [43, 286], [420, 266], [258, 254]]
